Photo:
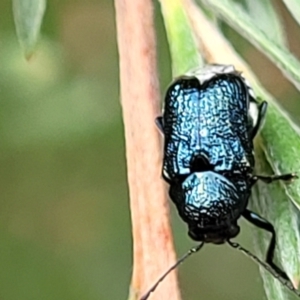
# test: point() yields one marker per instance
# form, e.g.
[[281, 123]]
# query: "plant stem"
[[153, 249]]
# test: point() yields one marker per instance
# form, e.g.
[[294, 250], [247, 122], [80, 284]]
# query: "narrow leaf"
[[242, 23], [276, 151], [267, 20], [281, 143], [271, 202], [184, 51], [294, 7], [28, 16]]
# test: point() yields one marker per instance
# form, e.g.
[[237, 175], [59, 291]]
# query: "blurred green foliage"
[[64, 210]]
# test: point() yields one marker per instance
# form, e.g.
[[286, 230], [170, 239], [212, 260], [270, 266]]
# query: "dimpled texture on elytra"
[[209, 120]]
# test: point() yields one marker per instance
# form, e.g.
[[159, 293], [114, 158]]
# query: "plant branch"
[[153, 251]]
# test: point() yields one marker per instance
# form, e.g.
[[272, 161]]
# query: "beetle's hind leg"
[[268, 179], [264, 224]]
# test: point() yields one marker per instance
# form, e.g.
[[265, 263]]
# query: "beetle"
[[209, 121]]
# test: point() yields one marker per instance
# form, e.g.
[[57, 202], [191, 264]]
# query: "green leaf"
[[28, 16], [271, 202], [267, 20], [235, 16], [183, 47], [277, 150], [294, 7]]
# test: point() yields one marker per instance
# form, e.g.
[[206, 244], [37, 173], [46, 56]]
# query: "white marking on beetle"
[[253, 112], [204, 132]]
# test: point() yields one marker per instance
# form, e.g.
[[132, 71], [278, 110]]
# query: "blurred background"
[[65, 229]]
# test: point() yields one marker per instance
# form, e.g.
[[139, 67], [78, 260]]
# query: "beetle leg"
[[159, 123], [271, 178], [262, 110], [264, 224]]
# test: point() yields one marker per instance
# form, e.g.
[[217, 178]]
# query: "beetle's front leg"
[[160, 124]]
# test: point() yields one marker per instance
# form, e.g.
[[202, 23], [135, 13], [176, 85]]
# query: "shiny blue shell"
[[209, 120], [208, 153]]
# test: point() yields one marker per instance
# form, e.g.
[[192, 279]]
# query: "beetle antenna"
[[179, 261], [268, 268]]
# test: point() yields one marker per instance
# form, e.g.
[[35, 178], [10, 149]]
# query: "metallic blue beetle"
[[209, 121], [208, 153]]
